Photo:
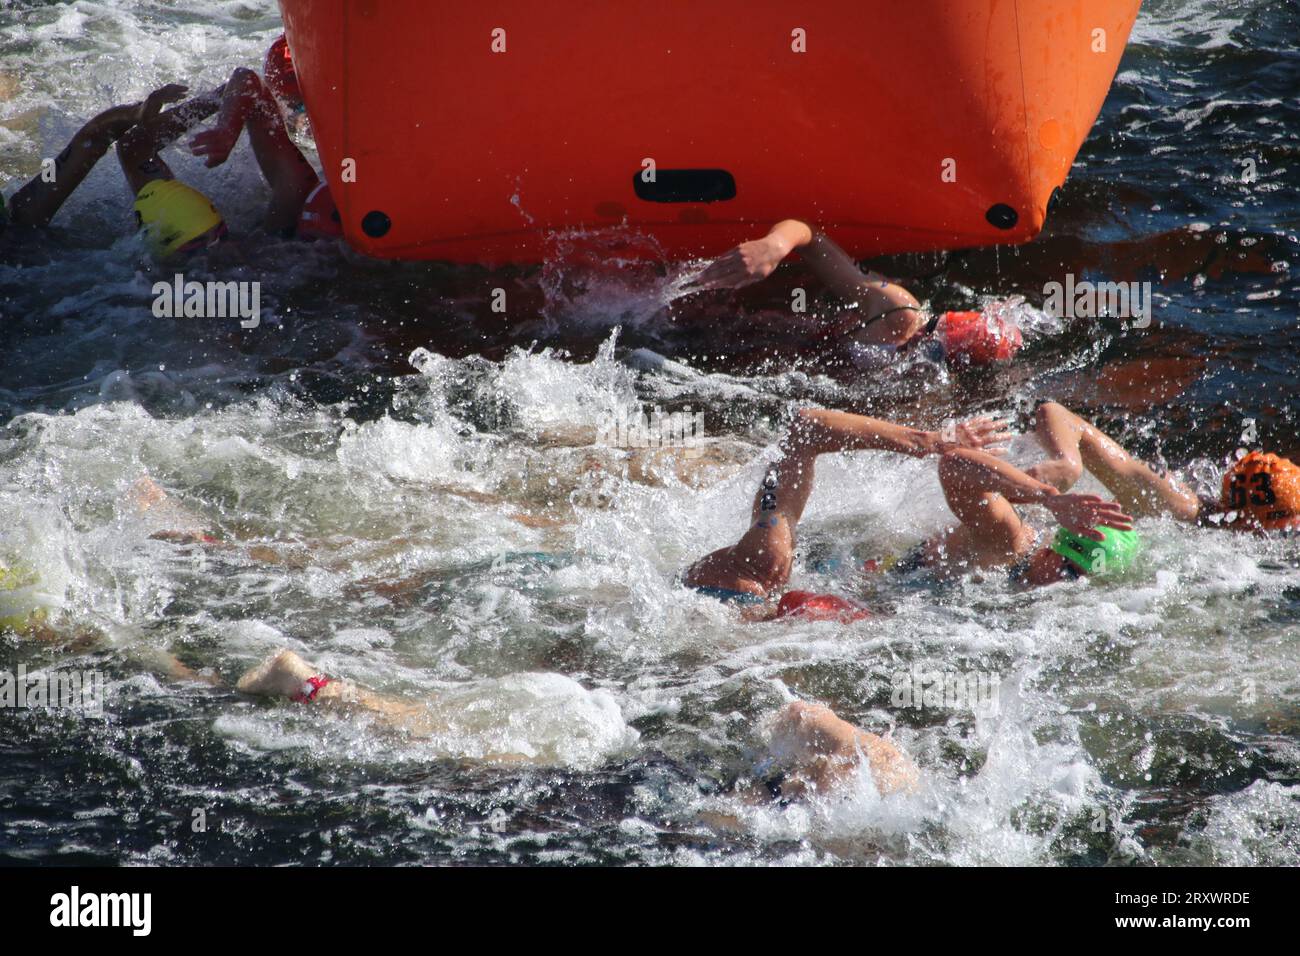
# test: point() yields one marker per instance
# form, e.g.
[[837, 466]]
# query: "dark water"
[[1165, 707]]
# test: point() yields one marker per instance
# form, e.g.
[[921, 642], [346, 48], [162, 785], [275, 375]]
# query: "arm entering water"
[[874, 295]]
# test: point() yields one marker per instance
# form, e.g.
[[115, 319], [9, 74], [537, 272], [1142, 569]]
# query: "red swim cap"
[[281, 77], [320, 218], [977, 339], [820, 607]]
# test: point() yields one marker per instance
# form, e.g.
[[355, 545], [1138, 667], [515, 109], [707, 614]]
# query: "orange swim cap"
[[977, 339], [281, 77], [1264, 490], [320, 217], [820, 607]]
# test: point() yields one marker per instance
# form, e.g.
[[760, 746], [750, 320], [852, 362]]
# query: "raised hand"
[[215, 144], [116, 120], [1082, 513], [155, 101]]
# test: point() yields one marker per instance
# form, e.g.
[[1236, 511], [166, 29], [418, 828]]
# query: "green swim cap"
[[1115, 553]]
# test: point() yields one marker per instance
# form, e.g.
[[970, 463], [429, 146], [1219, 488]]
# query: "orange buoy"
[[471, 133]]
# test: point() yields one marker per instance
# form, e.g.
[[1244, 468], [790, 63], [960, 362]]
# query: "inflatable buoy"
[[897, 127], [821, 607]]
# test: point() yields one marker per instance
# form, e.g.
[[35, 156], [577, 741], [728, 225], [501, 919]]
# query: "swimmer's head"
[[821, 607], [973, 338], [1115, 553], [177, 219], [320, 218], [1262, 493], [281, 77]]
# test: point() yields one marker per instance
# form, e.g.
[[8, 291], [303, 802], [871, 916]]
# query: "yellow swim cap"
[[172, 214], [20, 608]]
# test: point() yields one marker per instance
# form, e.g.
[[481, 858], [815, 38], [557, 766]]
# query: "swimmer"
[[301, 205], [35, 204], [177, 219], [286, 675], [757, 567], [812, 750], [29, 612], [879, 314], [1260, 492], [166, 519]]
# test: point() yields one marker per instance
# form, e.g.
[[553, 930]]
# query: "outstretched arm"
[[754, 261], [818, 431], [36, 203]]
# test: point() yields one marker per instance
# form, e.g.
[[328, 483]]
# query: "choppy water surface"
[[443, 521]]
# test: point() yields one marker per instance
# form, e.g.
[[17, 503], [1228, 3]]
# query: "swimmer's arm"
[[968, 474], [834, 267], [842, 277], [36, 203], [975, 469], [753, 261], [165, 128], [819, 431]]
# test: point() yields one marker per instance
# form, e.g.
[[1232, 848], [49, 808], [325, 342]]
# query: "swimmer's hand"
[[215, 144], [989, 435], [744, 265], [155, 101], [1082, 513]]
